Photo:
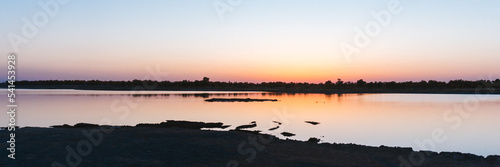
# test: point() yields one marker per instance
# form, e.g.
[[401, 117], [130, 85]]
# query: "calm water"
[[465, 123]]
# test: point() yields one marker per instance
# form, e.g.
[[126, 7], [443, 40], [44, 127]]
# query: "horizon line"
[[333, 81]]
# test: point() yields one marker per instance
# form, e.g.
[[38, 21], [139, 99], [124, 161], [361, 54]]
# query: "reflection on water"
[[468, 122], [68, 92]]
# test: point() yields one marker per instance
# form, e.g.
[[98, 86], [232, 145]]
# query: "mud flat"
[[239, 100]]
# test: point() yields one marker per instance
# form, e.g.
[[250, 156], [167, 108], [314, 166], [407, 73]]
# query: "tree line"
[[328, 86]]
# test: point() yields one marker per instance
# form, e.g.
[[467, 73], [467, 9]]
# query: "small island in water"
[[238, 100]]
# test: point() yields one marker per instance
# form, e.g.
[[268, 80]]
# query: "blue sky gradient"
[[259, 40]]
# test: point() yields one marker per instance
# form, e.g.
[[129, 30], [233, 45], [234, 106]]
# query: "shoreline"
[[222, 128], [186, 143], [430, 91]]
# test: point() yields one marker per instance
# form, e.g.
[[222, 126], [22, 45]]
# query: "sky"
[[252, 40]]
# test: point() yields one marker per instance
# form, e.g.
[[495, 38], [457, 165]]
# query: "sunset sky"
[[255, 41]]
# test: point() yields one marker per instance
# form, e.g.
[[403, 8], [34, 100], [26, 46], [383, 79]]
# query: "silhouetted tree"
[[339, 82], [360, 83], [206, 79]]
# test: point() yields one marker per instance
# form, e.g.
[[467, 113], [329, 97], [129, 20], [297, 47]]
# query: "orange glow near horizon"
[[104, 42]]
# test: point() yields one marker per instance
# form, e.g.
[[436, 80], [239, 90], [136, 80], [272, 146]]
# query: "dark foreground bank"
[[164, 145]]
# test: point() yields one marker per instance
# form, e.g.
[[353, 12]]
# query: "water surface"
[[464, 123]]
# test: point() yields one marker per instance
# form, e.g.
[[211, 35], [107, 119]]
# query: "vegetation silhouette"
[[340, 86]]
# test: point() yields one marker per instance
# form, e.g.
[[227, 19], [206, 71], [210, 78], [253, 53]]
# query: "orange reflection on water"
[[369, 119]]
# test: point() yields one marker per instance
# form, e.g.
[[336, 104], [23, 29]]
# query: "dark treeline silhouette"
[[339, 86]]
